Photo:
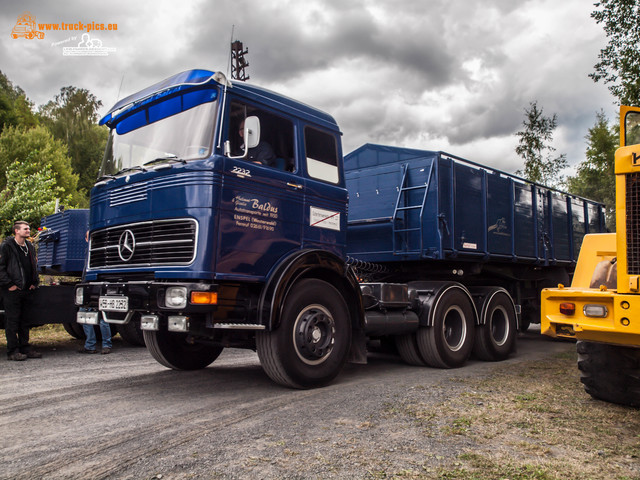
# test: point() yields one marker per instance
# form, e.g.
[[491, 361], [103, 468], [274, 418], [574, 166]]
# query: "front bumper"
[[144, 296]]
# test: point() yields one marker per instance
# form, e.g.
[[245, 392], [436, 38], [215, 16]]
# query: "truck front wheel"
[[310, 345], [173, 351], [610, 372], [448, 343]]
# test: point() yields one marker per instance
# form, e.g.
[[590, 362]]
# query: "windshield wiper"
[[169, 157], [105, 177], [131, 169]]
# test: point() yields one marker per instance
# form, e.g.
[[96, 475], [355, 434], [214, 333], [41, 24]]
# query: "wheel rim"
[[454, 328], [314, 334], [499, 325]]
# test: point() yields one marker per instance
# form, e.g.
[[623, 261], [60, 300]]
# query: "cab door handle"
[[294, 185]]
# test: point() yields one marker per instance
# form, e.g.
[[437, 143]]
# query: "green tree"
[[72, 117], [37, 149], [15, 107], [619, 61], [28, 195], [595, 178], [535, 149]]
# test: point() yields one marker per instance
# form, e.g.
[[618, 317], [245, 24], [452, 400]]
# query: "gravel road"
[[125, 416]]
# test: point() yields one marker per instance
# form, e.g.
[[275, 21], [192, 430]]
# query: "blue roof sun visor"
[[164, 99]]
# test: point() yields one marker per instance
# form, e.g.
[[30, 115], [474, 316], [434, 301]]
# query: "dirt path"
[[125, 416]]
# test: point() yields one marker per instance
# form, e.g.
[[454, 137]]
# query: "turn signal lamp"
[[204, 298], [567, 308]]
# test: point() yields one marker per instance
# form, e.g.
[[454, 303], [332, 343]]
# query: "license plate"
[[114, 304]]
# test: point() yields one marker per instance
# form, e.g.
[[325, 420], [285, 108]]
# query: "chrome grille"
[[632, 203], [154, 243]]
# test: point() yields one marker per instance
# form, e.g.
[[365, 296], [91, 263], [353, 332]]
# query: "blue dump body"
[[62, 247], [410, 205]]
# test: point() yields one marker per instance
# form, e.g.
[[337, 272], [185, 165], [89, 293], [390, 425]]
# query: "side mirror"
[[251, 136], [251, 132]]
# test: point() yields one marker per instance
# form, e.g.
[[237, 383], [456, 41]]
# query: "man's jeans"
[[105, 331]]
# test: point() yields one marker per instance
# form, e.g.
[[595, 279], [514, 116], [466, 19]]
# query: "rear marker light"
[[568, 308]]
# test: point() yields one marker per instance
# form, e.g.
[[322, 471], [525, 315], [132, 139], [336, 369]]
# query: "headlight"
[[79, 296], [592, 310], [176, 297]]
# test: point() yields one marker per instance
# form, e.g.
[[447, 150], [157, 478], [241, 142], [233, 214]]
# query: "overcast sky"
[[447, 75]]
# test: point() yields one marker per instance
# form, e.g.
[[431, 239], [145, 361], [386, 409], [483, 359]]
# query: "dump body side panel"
[[412, 205]]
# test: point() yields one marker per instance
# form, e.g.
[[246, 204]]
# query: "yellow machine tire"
[[610, 372]]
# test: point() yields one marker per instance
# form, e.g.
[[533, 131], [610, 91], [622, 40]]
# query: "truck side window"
[[275, 131], [322, 155]]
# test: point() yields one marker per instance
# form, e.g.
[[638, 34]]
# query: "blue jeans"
[[105, 331]]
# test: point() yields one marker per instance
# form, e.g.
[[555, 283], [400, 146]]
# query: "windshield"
[[184, 136]]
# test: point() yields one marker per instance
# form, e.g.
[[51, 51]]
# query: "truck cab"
[[195, 235]]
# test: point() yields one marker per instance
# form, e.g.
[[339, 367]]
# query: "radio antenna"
[[229, 62]]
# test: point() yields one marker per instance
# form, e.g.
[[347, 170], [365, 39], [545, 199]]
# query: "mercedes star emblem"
[[126, 245]]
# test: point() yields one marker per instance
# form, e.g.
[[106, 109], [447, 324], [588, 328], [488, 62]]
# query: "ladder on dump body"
[[402, 236]]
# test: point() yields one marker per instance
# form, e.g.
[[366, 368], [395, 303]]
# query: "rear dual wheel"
[[448, 342], [496, 336]]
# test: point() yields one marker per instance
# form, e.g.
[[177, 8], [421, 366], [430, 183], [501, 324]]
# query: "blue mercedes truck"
[[226, 216]]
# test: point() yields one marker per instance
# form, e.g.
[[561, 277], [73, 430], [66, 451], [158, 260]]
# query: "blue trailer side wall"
[[407, 204], [62, 246]]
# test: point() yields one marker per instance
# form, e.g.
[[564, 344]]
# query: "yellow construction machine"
[[601, 308]]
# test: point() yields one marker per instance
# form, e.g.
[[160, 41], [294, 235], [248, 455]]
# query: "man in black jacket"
[[18, 279]]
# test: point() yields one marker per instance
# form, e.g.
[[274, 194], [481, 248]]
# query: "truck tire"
[[407, 346], [495, 339], [74, 329], [448, 342], [310, 345], [172, 350], [610, 372], [131, 332]]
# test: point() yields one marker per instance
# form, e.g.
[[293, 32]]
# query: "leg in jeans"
[[105, 331], [90, 342]]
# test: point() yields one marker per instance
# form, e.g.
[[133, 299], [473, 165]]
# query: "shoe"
[[106, 351], [17, 356], [85, 350], [33, 354]]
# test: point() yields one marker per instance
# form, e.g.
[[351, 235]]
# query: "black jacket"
[[11, 271]]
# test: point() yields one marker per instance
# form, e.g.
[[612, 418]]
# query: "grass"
[[535, 422], [45, 336]]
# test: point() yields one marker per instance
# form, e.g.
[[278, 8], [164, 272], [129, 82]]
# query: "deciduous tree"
[[595, 178], [72, 118], [28, 195], [15, 107], [534, 147], [619, 61], [36, 149]]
